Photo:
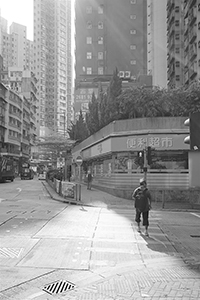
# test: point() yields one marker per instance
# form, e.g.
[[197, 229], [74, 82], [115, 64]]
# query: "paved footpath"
[[123, 264]]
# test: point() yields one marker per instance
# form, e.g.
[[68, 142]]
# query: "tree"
[[114, 91], [78, 131], [92, 116], [104, 113]]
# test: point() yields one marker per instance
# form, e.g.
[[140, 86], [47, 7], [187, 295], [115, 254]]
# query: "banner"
[[68, 189]]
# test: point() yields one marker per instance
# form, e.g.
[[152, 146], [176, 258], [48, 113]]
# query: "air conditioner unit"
[[127, 74], [121, 74], [133, 77]]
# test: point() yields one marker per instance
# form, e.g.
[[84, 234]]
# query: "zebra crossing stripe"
[[11, 252]]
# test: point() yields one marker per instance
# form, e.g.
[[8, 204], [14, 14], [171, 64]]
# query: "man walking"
[[142, 198]]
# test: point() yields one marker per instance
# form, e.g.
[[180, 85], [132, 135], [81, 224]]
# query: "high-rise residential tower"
[[52, 64], [192, 41], [175, 40], [109, 34], [157, 41]]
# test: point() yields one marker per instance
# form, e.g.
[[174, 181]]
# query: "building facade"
[[17, 125], [192, 41], [52, 64], [183, 24], [15, 48], [175, 39], [112, 154], [157, 41], [108, 35]]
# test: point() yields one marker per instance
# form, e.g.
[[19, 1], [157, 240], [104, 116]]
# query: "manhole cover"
[[58, 287]]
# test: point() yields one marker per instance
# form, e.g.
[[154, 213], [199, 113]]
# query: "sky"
[[18, 11]]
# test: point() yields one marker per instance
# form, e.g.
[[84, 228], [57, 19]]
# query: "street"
[[44, 241]]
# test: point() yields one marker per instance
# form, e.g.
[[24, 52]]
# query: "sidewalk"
[[156, 271], [95, 197]]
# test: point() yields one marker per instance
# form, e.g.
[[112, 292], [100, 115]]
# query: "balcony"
[[2, 121], [13, 140], [193, 71], [193, 35], [192, 3], [192, 16], [192, 52], [25, 140]]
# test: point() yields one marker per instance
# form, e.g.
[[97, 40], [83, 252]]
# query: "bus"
[[7, 170], [26, 171]]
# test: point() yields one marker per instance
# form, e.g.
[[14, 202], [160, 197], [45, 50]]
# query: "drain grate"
[[58, 287]]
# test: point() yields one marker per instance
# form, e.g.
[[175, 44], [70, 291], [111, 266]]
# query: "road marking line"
[[35, 295], [198, 216]]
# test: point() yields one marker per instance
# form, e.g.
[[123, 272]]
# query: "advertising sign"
[[68, 189]]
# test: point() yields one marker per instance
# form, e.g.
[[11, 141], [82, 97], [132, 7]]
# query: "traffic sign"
[[79, 160]]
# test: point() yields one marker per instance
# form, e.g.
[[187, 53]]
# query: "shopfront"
[[115, 159]]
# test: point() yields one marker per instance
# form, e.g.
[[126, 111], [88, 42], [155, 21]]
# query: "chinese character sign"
[[152, 141]]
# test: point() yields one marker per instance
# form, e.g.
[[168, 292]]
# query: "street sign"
[[79, 160]]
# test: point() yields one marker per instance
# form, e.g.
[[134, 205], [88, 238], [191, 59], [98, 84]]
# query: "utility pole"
[[65, 168], [145, 164], [64, 123]]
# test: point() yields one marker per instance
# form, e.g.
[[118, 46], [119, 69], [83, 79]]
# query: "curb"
[[62, 199], [50, 191]]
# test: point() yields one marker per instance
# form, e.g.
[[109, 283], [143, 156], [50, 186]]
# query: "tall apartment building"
[[175, 39], [192, 41], [52, 64], [108, 35], [15, 48], [157, 41]]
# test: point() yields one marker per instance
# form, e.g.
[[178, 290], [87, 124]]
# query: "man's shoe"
[[146, 233]]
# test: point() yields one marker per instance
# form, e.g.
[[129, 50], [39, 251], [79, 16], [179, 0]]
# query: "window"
[[177, 64], [100, 55], [89, 25], [132, 17], [100, 9], [133, 31], [89, 71], [100, 40], [88, 9], [177, 36], [177, 23], [177, 77], [132, 47], [100, 25], [89, 40], [133, 62], [177, 50], [89, 55], [177, 9], [100, 70]]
